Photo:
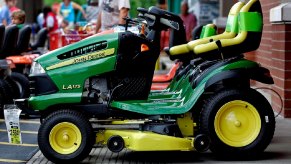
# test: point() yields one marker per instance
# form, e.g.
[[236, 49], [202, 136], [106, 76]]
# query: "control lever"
[[129, 21], [219, 45]]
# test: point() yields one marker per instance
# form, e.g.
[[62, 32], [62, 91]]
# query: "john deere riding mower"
[[98, 91]]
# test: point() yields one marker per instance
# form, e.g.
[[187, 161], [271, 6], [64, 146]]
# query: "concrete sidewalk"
[[19, 153], [279, 151]]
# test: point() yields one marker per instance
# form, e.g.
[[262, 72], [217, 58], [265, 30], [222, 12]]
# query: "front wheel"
[[240, 123], [66, 136]]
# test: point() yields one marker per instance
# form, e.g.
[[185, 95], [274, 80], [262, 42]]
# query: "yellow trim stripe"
[[24, 121], [24, 132], [83, 58], [27, 145], [11, 160]]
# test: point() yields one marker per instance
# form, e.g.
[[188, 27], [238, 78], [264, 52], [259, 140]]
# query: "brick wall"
[[275, 54]]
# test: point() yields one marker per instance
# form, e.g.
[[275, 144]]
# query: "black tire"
[[227, 100], [15, 92], [19, 85], [3, 97], [80, 121], [8, 92]]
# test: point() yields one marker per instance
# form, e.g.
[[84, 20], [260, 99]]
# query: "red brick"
[[287, 104], [288, 37], [282, 83], [279, 27], [263, 52], [287, 94], [266, 47], [267, 28], [264, 57], [278, 45], [288, 27], [280, 64], [279, 54], [287, 84], [266, 42], [267, 6], [267, 34], [264, 61], [279, 36], [287, 113], [277, 72], [251, 55], [288, 45], [287, 65], [279, 90], [279, 82]]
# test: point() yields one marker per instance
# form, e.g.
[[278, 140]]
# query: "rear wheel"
[[66, 136], [240, 123]]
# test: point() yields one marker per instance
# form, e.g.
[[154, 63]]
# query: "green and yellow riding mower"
[[97, 91]]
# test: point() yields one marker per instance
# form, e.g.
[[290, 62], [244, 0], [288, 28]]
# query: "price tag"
[[11, 114]]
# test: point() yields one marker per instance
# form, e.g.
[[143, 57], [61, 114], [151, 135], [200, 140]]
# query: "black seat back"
[[2, 33], [197, 32], [23, 39], [10, 41], [41, 37]]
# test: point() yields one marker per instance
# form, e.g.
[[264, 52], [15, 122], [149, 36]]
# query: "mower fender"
[[260, 74]]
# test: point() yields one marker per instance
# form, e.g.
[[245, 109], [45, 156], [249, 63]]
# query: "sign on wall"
[[205, 10]]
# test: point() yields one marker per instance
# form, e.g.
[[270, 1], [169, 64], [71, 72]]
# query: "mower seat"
[[23, 40], [185, 51], [41, 37], [10, 41], [250, 32], [208, 31], [166, 77]]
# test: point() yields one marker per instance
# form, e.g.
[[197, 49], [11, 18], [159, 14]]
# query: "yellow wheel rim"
[[65, 138], [237, 123]]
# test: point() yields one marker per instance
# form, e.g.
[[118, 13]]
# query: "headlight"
[[36, 68]]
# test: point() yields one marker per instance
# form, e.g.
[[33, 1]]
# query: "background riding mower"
[[97, 91], [21, 53], [9, 89]]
